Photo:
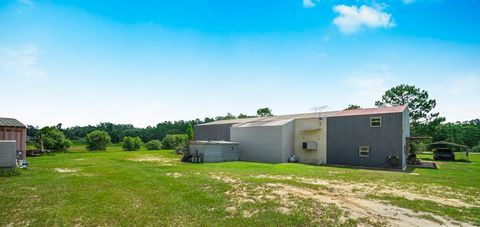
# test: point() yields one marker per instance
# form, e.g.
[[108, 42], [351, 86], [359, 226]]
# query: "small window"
[[363, 151], [375, 122]]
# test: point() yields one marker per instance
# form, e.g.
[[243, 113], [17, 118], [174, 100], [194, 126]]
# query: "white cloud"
[[408, 1], [309, 3], [22, 61], [351, 18]]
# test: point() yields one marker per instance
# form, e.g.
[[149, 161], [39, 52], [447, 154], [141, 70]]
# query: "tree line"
[[172, 133], [424, 121]]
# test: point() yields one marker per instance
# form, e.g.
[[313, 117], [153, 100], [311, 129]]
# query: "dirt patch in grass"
[[174, 175], [361, 208], [159, 160], [66, 170], [350, 198], [381, 188]]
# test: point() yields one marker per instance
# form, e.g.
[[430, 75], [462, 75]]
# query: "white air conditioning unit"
[[309, 146]]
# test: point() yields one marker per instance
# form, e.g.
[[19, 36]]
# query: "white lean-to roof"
[[269, 121]]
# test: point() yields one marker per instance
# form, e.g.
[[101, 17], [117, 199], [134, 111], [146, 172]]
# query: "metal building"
[[374, 137], [12, 129]]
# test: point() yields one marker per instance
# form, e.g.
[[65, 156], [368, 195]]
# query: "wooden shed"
[[12, 129]]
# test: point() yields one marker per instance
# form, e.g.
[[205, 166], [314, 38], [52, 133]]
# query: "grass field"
[[154, 188]]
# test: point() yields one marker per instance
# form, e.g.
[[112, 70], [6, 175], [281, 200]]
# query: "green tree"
[[51, 138], [175, 141], [132, 143], [353, 107], [154, 145], [242, 116], [190, 132], [229, 116], [264, 112], [418, 102], [97, 140]]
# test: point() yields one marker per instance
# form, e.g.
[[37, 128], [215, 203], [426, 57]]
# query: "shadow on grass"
[[456, 160]]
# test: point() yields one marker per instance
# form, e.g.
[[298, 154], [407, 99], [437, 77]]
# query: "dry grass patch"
[[66, 170], [174, 175], [350, 198]]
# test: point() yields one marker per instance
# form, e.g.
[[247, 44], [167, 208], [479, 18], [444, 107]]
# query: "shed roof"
[[11, 122], [370, 111]]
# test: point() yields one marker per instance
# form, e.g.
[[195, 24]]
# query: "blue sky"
[[86, 61]]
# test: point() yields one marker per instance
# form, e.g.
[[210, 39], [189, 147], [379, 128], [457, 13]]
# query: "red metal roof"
[[370, 111]]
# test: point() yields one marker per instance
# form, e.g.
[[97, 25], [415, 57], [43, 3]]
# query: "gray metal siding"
[[217, 152], [259, 143], [406, 133], [8, 154], [347, 133], [212, 132], [288, 146]]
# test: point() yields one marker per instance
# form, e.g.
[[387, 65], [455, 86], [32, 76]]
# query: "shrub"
[[52, 139], [131, 143], [476, 148], [175, 141], [97, 140], [153, 145], [190, 132]]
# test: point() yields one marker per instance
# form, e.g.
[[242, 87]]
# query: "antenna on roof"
[[319, 109]]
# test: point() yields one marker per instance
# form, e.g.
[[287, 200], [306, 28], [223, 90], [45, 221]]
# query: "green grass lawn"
[[154, 188]]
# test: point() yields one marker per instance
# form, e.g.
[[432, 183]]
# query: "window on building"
[[375, 122], [363, 151]]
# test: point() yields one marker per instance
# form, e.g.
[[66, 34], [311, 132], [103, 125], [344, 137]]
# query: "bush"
[[52, 139], [131, 143], [175, 141], [154, 145], [97, 140], [476, 148]]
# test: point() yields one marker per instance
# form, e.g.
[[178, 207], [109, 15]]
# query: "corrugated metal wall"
[[346, 134], [216, 132], [259, 143], [288, 140], [216, 152], [7, 154]]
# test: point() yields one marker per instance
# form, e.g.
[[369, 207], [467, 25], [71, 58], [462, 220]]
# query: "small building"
[[215, 151], [374, 137], [12, 129]]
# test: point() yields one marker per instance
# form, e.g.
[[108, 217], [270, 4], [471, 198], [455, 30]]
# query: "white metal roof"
[[281, 119], [284, 119]]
